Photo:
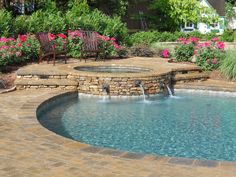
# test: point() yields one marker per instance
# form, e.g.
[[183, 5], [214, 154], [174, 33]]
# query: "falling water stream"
[[169, 91], [142, 89]]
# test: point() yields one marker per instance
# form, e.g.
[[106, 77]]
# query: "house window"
[[214, 25], [189, 25]]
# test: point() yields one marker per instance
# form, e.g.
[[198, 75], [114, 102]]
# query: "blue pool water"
[[190, 125]]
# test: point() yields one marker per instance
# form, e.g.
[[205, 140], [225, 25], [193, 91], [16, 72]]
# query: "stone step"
[[199, 86], [187, 70], [190, 77], [44, 83], [40, 73]]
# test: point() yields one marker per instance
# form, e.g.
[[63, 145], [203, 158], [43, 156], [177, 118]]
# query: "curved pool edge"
[[122, 154]]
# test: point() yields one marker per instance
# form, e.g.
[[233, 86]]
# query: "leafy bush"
[[185, 50], [228, 65], [22, 49], [108, 46], [80, 17], [6, 22], [228, 36], [141, 51], [159, 47], [209, 54], [40, 21], [144, 38]]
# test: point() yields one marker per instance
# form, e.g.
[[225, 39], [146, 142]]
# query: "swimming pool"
[[193, 125]]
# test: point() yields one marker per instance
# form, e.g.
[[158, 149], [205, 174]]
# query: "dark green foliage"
[[5, 23], [141, 51]]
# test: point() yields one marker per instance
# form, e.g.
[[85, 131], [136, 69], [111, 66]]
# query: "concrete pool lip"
[[28, 149], [112, 69], [136, 156]]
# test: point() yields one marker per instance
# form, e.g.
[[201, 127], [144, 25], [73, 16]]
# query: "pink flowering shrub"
[[21, 49], [209, 54], [185, 50], [108, 46]]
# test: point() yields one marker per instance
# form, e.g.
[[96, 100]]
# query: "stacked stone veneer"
[[121, 85], [94, 84]]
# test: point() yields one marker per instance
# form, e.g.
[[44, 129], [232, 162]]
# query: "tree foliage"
[[183, 11]]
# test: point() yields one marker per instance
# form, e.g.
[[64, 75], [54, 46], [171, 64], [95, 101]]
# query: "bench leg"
[[96, 56], [65, 58], [54, 58], [40, 56]]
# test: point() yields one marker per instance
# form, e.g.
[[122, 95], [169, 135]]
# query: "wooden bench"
[[90, 44], [47, 48]]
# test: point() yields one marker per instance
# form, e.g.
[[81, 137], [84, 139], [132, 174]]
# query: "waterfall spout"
[[169, 91], [138, 83]]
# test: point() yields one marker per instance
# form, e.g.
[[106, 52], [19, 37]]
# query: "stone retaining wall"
[[124, 86], [121, 86]]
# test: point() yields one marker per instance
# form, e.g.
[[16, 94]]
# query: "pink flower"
[[3, 39], [208, 61], [206, 44], [165, 53], [61, 35], [74, 34], [22, 38], [220, 45], [28, 45], [4, 47], [18, 54], [214, 61], [215, 39], [113, 39], [51, 36], [193, 39], [19, 44]]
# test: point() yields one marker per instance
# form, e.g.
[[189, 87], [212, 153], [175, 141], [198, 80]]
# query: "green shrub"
[[227, 36], [184, 52], [228, 65], [20, 25], [159, 47], [20, 50], [208, 58], [80, 17], [40, 21], [144, 37], [108, 46], [141, 51], [5, 23]]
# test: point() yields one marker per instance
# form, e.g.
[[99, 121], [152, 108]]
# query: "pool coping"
[[33, 107]]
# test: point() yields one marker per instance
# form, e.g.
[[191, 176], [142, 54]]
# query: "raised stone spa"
[[119, 76]]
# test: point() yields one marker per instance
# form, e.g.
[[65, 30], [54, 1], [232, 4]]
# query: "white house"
[[219, 6], [232, 22]]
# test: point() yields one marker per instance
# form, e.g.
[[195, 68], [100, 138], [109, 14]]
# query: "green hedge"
[[149, 37]]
